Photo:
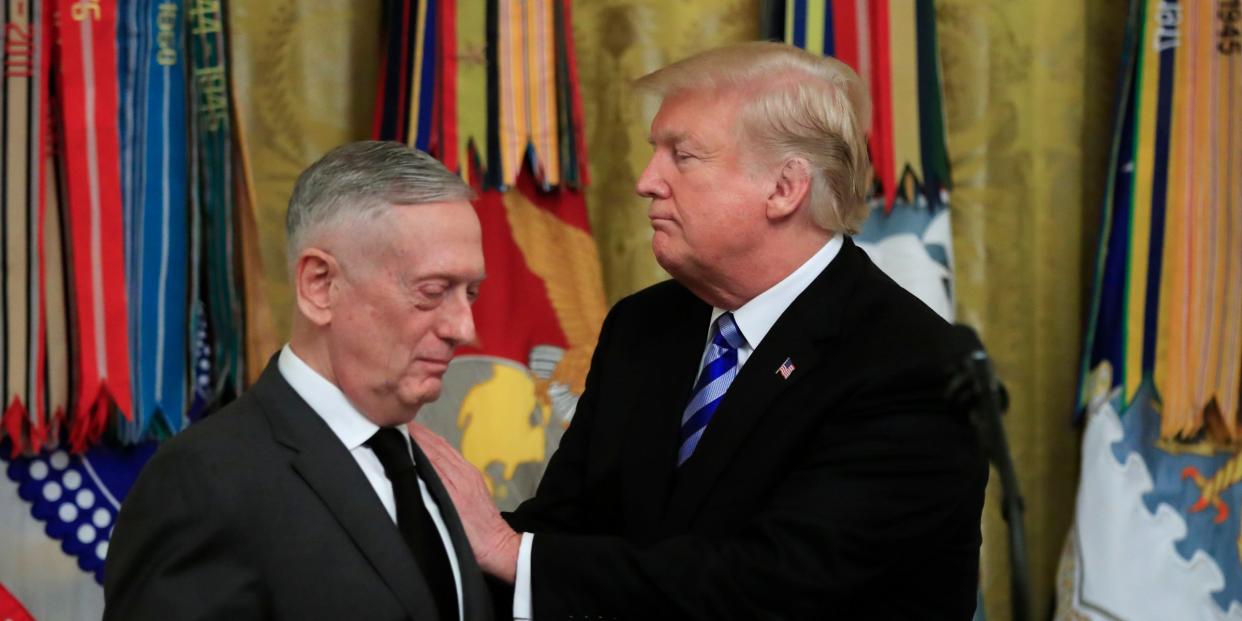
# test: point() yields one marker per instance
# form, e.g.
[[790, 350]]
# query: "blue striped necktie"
[[718, 372]]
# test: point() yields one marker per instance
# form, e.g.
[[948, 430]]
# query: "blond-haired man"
[[764, 436]]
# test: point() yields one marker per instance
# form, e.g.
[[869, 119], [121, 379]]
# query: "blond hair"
[[795, 105]]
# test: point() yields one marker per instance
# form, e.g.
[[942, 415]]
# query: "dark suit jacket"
[[849, 490], [260, 512]]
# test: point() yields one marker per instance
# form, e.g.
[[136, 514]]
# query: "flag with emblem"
[[124, 176], [491, 89], [1157, 530]]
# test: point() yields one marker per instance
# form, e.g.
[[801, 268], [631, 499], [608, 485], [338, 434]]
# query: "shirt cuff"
[[521, 582]]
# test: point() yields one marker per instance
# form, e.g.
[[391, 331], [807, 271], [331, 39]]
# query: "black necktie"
[[413, 520]]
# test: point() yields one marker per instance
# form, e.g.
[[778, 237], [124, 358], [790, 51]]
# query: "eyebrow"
[[408, 280], [675, 137]]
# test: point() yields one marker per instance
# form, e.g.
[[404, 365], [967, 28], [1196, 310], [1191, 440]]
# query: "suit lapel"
[[474, 595], [332, 473], [799, 335], [677, 342]]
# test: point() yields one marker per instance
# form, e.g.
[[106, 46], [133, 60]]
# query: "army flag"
[[124, 317], [1157, 530], [491, 89]]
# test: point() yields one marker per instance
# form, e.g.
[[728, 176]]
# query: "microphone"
[[974, 387]]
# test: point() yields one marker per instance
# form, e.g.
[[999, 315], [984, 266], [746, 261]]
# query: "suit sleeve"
[[869, 490], [177, 551]]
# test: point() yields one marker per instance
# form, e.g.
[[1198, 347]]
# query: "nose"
[[650, 184], [456, 325]]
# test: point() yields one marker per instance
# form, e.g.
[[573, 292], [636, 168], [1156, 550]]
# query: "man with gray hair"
[[765, 436], [305, 498]]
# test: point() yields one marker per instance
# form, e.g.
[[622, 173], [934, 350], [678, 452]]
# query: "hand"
[[495, 545]]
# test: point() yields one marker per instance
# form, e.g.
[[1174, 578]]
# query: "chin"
[[671, 263], [663, 254], [422, 392]]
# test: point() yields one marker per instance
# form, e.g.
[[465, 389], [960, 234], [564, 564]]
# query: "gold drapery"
[[304, 71], [1028, 100]]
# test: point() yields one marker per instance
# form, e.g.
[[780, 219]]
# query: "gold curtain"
[[304, 74], [1028, 100], [618, 41]]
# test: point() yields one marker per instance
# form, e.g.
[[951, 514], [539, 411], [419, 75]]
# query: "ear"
[[793, 184], [315, 275]]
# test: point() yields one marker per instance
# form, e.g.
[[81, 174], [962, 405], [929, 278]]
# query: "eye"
[[472, 293], [433, 291], [682, 156]]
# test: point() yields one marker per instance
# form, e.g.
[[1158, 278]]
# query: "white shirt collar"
[[326, 400], [755, 318]]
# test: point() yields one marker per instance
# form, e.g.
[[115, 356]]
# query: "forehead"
[[432, 238], [692, 116]]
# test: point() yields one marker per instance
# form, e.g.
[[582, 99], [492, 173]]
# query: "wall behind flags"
[[305, 73], [1028, 94]]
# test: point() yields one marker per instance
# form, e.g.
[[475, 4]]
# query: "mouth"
[[435, 366], [661, 222]]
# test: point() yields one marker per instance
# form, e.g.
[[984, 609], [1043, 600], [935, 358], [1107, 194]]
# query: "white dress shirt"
[[354, 429], [754, 319]]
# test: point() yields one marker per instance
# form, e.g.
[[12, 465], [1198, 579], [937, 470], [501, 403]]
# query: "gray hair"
[[359, 181]]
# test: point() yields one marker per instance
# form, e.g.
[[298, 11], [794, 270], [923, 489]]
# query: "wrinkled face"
[[401, 312], [707, 203]]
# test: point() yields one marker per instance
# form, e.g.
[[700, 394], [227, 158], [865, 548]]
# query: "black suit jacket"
[[260, 512], [849, 490]]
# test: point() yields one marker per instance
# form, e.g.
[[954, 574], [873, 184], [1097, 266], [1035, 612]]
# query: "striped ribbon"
[[572, 142], [492, 177], [389, 119], [495, 81], [892, 46], [422, 80], [100, 270], [511, 74], [52, 365], [564, 91], [448, 146], [417, 100], [17, 221], [214, 189], [1168, 301], [88, 72], [27, 51], [527, 75], [155, 178]]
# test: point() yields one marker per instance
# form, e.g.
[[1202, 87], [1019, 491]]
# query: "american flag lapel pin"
[[786, 368]]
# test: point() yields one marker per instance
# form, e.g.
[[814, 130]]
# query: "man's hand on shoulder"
[[495, 544]]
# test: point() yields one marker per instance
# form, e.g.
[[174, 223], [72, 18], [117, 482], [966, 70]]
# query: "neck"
[[745, 277], [311, 350]]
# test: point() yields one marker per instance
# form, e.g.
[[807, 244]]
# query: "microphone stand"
[[973, 384]]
